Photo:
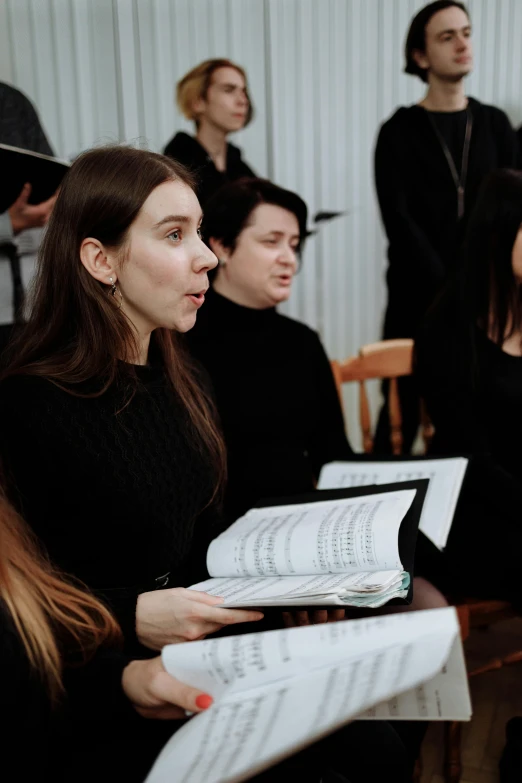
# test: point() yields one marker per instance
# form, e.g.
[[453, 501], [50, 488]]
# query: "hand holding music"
[[155, 694], [24, 215], [180, 615]]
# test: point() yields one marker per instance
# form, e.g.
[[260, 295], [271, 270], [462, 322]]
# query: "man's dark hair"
[[416, 38]]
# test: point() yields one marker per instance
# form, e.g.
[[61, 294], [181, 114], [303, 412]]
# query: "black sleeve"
[[506, 141], [420, 260], [328, 441]]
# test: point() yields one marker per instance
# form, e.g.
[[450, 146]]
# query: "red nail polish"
[[204, 701]]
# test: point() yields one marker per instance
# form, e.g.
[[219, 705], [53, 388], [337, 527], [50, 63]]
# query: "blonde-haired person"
[[62, 668], [215, 96]]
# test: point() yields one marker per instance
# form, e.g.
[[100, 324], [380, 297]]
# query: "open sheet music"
[[278, 691], [444, 697], [445, 475], [328, 552]]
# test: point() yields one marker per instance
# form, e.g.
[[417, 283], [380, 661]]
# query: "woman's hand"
[[155, 694], [305, 617], [179, 615]]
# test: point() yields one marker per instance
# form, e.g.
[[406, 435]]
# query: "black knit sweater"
[[113, 492], [276, 396]]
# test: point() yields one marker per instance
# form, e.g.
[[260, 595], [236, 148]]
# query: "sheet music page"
[[330, 536], [444, 697], [258, 588], [231, 663], [445, 475], [245, 732], [281, 590]]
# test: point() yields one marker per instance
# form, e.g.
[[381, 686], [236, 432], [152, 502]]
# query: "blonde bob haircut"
[[195, 84]]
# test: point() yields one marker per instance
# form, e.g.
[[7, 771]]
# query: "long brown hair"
[[49, 613], [75, 332]]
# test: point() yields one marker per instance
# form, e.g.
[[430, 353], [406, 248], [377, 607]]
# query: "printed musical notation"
[[445, 481], [314, 680], [327, 537]]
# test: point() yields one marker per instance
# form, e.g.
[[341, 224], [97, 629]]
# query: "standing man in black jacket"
[[430, 160]]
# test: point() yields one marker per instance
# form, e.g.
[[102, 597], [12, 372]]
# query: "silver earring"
[[114, 290], [221, 262]]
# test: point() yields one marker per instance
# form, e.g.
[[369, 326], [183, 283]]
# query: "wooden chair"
[[392, 359]]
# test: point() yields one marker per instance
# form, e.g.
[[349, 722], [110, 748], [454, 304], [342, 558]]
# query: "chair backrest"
[[390, 359]]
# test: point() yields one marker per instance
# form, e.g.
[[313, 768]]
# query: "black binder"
[[18, 166], [407, 531]]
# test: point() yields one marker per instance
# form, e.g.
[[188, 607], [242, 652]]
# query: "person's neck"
[[445, 96], [214, 141], [141, 354]]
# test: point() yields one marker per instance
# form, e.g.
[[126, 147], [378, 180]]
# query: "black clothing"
[[187, 150], [26, 707], [93, 733], [112, 490], [276, 396], [19, 123], [452, 127], [510, 766], [418, 200], [19, 127], [282, 422], [419, 208], [481, 418]]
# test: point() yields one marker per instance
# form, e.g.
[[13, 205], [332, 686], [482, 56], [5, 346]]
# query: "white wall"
[[323, 75]]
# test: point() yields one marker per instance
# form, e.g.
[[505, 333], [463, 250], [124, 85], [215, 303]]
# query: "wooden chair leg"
[[452, 760]]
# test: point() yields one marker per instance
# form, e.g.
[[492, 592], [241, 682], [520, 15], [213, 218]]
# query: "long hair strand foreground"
[[49, 614]]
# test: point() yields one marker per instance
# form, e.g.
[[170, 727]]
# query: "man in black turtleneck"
[[430, 160]]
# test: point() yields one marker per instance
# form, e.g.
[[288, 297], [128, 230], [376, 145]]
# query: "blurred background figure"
[[215, 96], [19, 127], [429, 163], [275, 392]]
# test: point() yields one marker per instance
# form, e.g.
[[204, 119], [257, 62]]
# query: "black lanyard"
[[460, 181]]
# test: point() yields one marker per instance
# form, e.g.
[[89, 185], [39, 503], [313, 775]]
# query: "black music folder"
[[18, 166]]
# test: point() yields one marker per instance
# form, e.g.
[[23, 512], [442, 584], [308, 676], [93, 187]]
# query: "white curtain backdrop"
[[324, 74]]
